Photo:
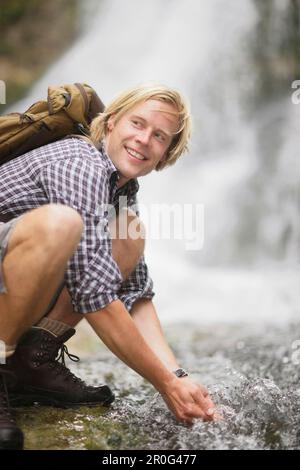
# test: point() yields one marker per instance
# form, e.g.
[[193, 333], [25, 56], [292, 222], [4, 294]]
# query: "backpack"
[[69, 109]]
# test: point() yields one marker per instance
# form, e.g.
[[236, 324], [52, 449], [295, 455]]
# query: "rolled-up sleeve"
[[92, 276], [139, 285]]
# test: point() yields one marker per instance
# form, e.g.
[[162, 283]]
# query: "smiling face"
[[140, 139]]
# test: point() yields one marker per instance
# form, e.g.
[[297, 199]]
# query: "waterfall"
[[242, 165]]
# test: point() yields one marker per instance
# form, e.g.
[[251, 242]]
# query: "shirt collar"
[[111, 169], [130, 188]]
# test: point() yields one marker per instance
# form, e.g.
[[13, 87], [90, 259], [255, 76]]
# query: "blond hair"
[[130, 98]]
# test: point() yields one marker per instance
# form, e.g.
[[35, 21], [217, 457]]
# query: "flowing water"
[[252, 374], [231, 309]]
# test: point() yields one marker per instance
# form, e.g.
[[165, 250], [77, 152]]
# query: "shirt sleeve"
[[139, 284], [92, 276]]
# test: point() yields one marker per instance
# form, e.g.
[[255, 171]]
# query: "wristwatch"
[[180, 373]]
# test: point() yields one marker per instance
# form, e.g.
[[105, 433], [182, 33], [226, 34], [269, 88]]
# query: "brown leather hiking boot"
[[41, 378], [11, 436]]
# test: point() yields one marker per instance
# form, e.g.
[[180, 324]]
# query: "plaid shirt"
[[76, 174]]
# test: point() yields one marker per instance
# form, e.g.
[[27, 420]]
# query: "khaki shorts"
[[5, 232]]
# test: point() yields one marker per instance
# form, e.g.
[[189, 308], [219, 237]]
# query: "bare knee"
[[49, 226], [60, 223]]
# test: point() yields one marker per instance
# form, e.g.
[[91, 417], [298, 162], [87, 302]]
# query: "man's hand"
[[185, 398], [188, 400]]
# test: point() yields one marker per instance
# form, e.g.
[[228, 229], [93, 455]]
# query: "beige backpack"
[[69, 109]]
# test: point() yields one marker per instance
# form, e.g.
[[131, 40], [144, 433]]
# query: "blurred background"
[[235, 62], [231, 309]]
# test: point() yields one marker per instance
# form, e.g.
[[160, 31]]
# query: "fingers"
[[203, 390], [187, 412], [203, 401], [194, 411], [191, 413], [200, 407], [190, 401]]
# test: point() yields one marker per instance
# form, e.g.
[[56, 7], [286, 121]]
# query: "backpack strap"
[[85, 99], [92, 105]]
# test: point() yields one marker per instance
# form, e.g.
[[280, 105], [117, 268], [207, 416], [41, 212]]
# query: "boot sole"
[[15, 443], [31, 400]]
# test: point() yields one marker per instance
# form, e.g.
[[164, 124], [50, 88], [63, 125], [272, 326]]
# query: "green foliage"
[[27, 44], [12, 10]]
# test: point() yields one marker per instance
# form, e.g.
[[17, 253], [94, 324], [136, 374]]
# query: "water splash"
[[255, 388]]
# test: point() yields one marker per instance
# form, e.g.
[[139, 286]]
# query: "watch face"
[[181, 373]]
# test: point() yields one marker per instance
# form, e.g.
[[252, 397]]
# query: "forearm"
[[118, 331], [145, 317]]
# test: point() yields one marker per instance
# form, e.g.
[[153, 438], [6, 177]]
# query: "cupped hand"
[[189, 400]]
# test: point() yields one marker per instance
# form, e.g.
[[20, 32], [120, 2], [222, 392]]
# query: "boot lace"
[[64, 350], [61, 368]]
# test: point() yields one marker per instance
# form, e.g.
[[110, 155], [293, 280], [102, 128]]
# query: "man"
[[106, 279]]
